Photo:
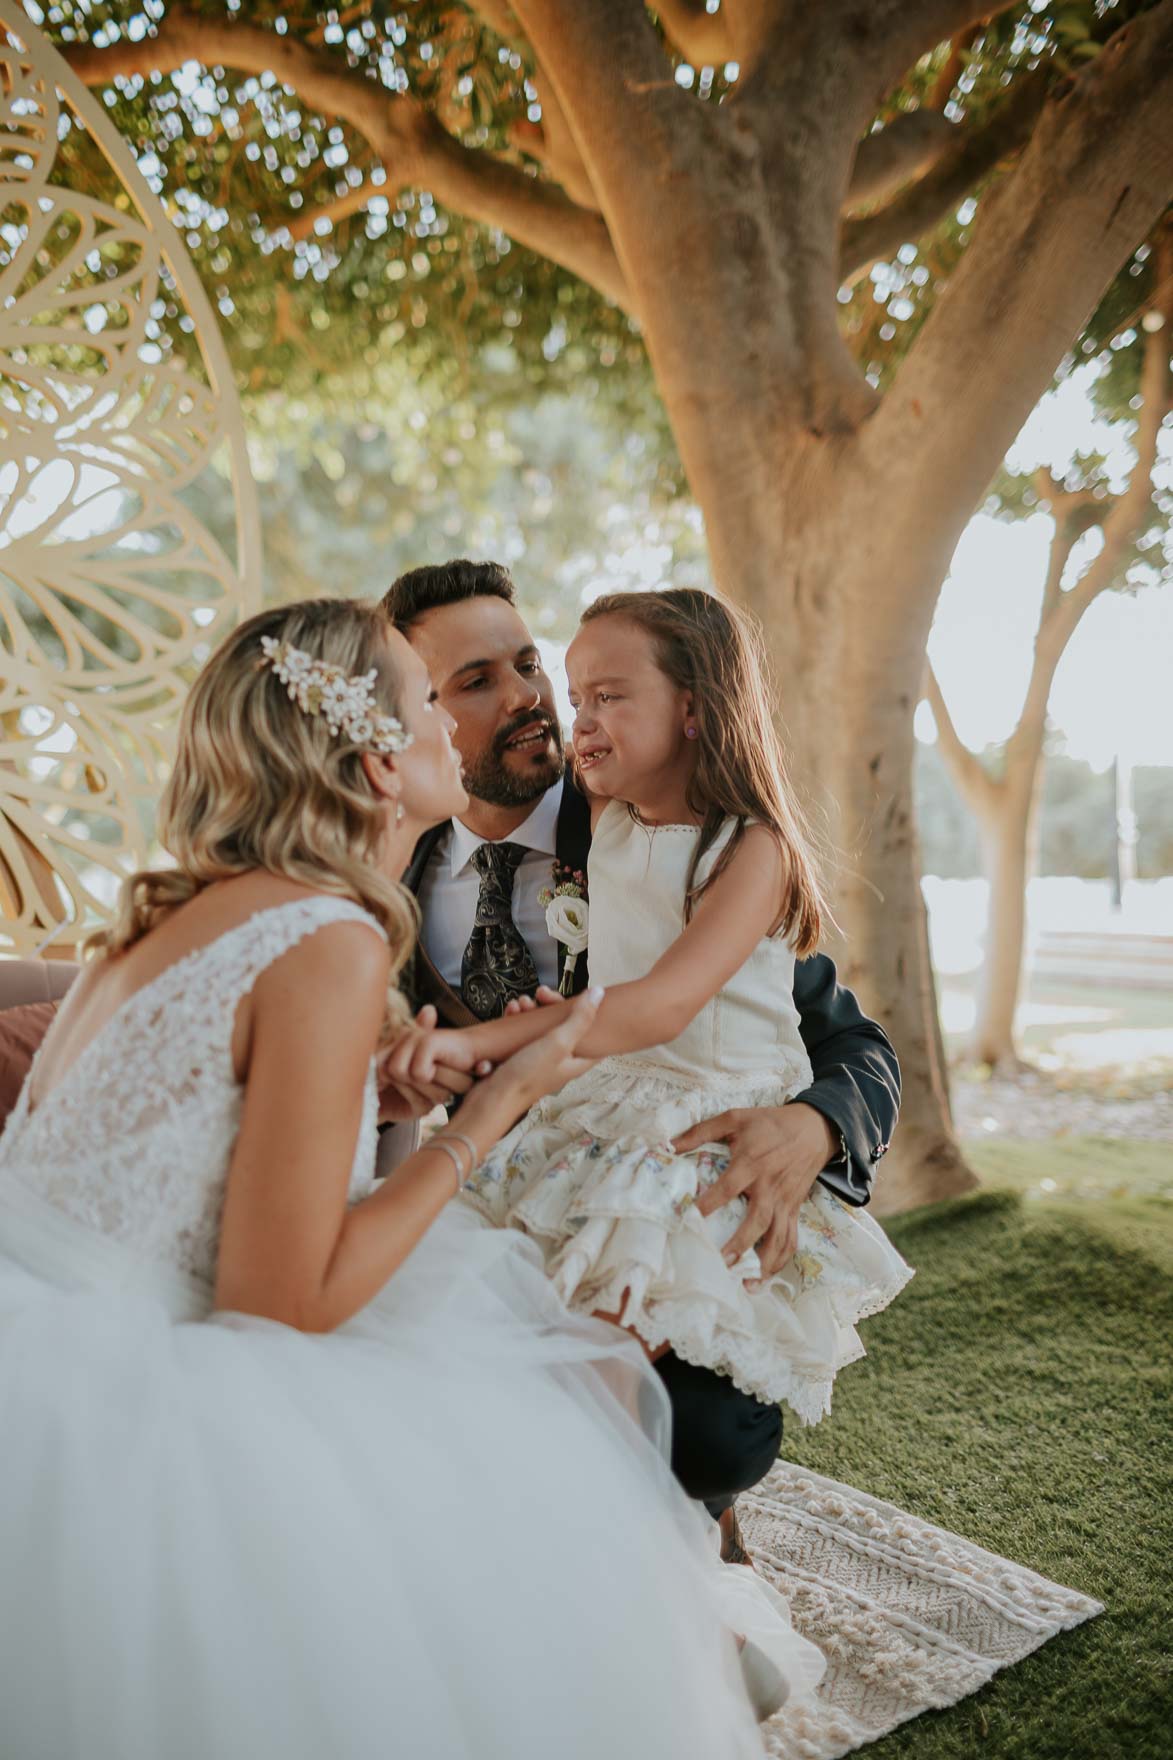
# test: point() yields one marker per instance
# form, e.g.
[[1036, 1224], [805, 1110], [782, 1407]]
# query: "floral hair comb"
[[347, 704]]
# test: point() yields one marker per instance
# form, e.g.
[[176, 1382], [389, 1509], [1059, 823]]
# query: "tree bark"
[[1007, 827]]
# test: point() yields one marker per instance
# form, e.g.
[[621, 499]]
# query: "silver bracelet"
[[451, 1151], [474, 1159]]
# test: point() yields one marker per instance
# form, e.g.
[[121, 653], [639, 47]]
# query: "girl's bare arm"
[[733, 916]]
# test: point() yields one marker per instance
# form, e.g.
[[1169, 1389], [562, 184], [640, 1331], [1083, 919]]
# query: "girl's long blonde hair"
[[259, 784], [706, 646]]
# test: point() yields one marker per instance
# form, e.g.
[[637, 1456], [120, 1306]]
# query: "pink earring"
[[690, 731]]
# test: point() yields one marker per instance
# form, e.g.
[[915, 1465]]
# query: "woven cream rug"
[[910, 1617]]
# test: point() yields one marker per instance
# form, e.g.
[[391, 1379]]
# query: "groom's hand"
[[776, 1155]]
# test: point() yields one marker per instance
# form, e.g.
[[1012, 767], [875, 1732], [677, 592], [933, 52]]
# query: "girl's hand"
[[427, 1066], [551, 1061], [542, 997]]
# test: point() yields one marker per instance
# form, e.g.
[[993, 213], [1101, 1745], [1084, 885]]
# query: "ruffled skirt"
[[591, 1176], [445, 1530]]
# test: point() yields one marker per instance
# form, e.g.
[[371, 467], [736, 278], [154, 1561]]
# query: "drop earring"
[[399, 813]]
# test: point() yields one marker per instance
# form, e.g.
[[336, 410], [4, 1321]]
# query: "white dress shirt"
[[451, 885]]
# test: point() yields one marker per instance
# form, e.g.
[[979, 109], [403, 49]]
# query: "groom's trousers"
[[723, 1440]]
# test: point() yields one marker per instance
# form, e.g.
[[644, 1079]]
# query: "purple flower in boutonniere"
[[567, 917]]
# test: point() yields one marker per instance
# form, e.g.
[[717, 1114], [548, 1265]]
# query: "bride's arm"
[[290, 1248], [736, 911]]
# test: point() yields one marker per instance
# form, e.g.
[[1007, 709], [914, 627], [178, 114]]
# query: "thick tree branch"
[[412, 145], [1026, 741], [702, 37], [752, 26], [1129, 512], [552, 144], [1092, 181], [1074, 512], [885, 37], [498, 15], [953, 68], [892, 156], [549, 141], [1062, 611], [974, 782], [974, 154]]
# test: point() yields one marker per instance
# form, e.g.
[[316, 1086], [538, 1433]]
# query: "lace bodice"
[[135, 1140], [636, 877]]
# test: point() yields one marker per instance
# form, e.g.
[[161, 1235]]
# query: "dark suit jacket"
[[856, 1082]]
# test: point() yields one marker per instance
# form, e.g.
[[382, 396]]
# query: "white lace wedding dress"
[[440, 1531]]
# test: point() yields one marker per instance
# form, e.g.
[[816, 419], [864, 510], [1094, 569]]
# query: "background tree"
[[1130, 527], [720, 179]]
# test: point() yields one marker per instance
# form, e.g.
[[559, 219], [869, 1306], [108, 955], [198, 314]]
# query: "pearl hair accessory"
[[347, 704]]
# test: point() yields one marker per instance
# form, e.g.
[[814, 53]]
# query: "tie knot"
[[501, 860]]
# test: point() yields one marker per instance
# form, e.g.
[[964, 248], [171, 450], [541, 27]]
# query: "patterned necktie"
[[497, 964]]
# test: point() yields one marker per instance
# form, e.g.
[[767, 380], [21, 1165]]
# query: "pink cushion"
[[21, 1031]]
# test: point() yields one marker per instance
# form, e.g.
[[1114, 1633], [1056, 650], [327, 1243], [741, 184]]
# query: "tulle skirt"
[[445, 1530]]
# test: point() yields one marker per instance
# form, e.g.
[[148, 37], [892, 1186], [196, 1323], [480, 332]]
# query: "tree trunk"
[[1007, 828], [848, 682]]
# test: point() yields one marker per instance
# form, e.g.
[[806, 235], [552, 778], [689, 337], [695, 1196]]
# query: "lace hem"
[[620, 1233], [752, 1363]]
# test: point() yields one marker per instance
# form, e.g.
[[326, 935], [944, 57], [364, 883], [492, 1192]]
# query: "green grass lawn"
[[1018, 1393]]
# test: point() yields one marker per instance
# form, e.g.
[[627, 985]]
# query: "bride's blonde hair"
[[258, 783]]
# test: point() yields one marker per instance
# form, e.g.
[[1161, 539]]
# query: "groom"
[[484, 941]]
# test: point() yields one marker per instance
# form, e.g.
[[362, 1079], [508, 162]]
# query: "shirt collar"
[[539, 832]]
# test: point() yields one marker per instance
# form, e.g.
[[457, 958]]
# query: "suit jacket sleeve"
[[856, 1082]]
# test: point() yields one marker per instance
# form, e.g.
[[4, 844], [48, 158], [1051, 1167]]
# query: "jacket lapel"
[[429, 986], [422, 981], [572, 843]]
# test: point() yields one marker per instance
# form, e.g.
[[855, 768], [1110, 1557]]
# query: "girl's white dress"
[[440, 1531], [590, 1173]]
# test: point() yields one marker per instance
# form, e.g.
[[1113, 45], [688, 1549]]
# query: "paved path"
[[1034, 1107]]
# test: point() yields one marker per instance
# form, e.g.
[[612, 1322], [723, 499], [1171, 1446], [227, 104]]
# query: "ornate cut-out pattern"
[[112, 588]]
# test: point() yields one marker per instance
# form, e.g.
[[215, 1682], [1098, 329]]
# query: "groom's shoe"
[[733, 1547]]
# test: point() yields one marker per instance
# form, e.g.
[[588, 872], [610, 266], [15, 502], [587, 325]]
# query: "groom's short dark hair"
[[446, 583]]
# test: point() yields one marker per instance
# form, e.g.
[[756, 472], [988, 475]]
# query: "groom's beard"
[[512, 779]]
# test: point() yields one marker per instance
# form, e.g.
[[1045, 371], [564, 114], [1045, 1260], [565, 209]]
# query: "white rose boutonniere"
[[567, 919]]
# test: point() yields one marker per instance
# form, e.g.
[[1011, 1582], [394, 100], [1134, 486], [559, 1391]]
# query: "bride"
[[291, 1464]]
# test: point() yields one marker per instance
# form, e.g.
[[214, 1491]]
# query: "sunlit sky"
[[1113, 692]]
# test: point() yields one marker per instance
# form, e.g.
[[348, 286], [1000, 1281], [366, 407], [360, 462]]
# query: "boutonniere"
[[567, 918]]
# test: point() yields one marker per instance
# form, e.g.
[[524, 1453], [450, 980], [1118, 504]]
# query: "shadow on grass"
[[1018, 1393]]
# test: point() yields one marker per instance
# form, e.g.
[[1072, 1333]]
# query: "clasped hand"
[[431, 1066], [421, 1070]]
